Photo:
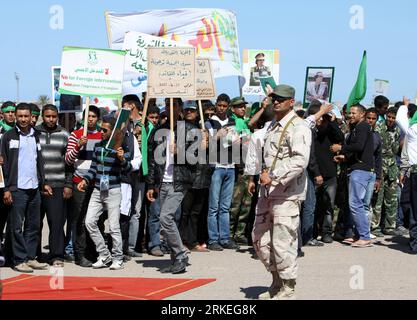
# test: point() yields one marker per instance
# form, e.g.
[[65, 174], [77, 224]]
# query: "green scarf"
[[6, 126], [144, 144], [413, 120], [240, 124]]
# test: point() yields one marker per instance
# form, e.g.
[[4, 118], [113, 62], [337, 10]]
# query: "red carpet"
[[29, 287]]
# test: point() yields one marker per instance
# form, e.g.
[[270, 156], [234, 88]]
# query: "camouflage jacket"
[[390, 138]]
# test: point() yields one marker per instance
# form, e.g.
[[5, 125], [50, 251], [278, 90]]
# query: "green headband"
[[8, 108], [413, 120], [36, 113]]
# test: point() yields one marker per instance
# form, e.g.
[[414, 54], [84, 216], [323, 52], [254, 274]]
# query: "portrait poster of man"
[[319, 84], [259, 64]]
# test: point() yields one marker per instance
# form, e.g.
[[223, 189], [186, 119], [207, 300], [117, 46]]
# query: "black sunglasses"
[[103, 130], [279, 99]]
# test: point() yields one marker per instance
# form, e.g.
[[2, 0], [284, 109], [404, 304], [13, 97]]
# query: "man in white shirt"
[[24, 178], [408, 124]]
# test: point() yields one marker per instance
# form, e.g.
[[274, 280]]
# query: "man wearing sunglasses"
[[283, 187]]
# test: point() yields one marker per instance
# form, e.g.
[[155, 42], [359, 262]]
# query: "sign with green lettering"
[[92, 72]]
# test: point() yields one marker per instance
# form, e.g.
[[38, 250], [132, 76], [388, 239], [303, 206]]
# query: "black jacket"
[[183, 174], [11, 159], [313, 167], [129, 146], [359, 148], [325, 137]]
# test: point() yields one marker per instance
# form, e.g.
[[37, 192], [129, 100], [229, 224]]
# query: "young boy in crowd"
[[106, 169]]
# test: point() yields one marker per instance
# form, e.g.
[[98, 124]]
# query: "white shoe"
[[117, 265], [373, 236], [102, 262]]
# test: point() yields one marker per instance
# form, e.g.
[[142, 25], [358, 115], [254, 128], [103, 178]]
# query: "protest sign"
[[92, 72], [205, 85], [136, 61], [381, 87], [119, 130], [318, 84], [259, 64], [171, 73], [213, 32]]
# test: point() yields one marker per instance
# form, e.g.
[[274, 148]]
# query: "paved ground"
[[334, 271]]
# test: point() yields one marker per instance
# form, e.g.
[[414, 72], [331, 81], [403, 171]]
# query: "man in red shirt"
[[79, 154]]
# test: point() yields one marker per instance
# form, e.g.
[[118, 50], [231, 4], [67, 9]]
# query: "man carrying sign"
[[170, 180], [105, 176]]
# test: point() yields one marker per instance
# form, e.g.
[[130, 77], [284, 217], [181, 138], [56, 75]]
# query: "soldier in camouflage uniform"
[[283, 187], [387, 196], [241, 201], [240, 209]]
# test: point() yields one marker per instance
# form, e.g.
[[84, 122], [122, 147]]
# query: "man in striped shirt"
[[79, 154], [53, 139], [105, 174]]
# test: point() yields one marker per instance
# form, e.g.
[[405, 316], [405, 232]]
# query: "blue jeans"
[[400, 213], [368, 196], [220, 200], [309, 206], [154, 224], [358, 186]]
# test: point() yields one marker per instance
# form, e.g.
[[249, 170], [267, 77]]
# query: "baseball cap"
[[238, 101], [284, 91], [189, 104]]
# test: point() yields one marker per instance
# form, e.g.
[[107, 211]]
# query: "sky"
[[307, 33]]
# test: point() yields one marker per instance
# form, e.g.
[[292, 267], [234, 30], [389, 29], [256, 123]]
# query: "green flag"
[[359, 90]]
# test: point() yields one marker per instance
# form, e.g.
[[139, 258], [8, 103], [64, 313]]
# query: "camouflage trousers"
[[240, 208], [275, 235], [386, 198]]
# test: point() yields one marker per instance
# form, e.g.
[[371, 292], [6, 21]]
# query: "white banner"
[[92, 72], [136, 60], [213, 32]]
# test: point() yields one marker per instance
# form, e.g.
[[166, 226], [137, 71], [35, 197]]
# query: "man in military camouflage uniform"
[[387, 195], [283, 186], [241, 201]]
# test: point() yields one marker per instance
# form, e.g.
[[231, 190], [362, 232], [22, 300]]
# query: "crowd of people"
[[271, 178]]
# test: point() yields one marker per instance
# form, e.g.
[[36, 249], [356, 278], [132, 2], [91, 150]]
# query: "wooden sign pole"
[[145, 111], [87, 107], [200, 109], [171, 120]]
